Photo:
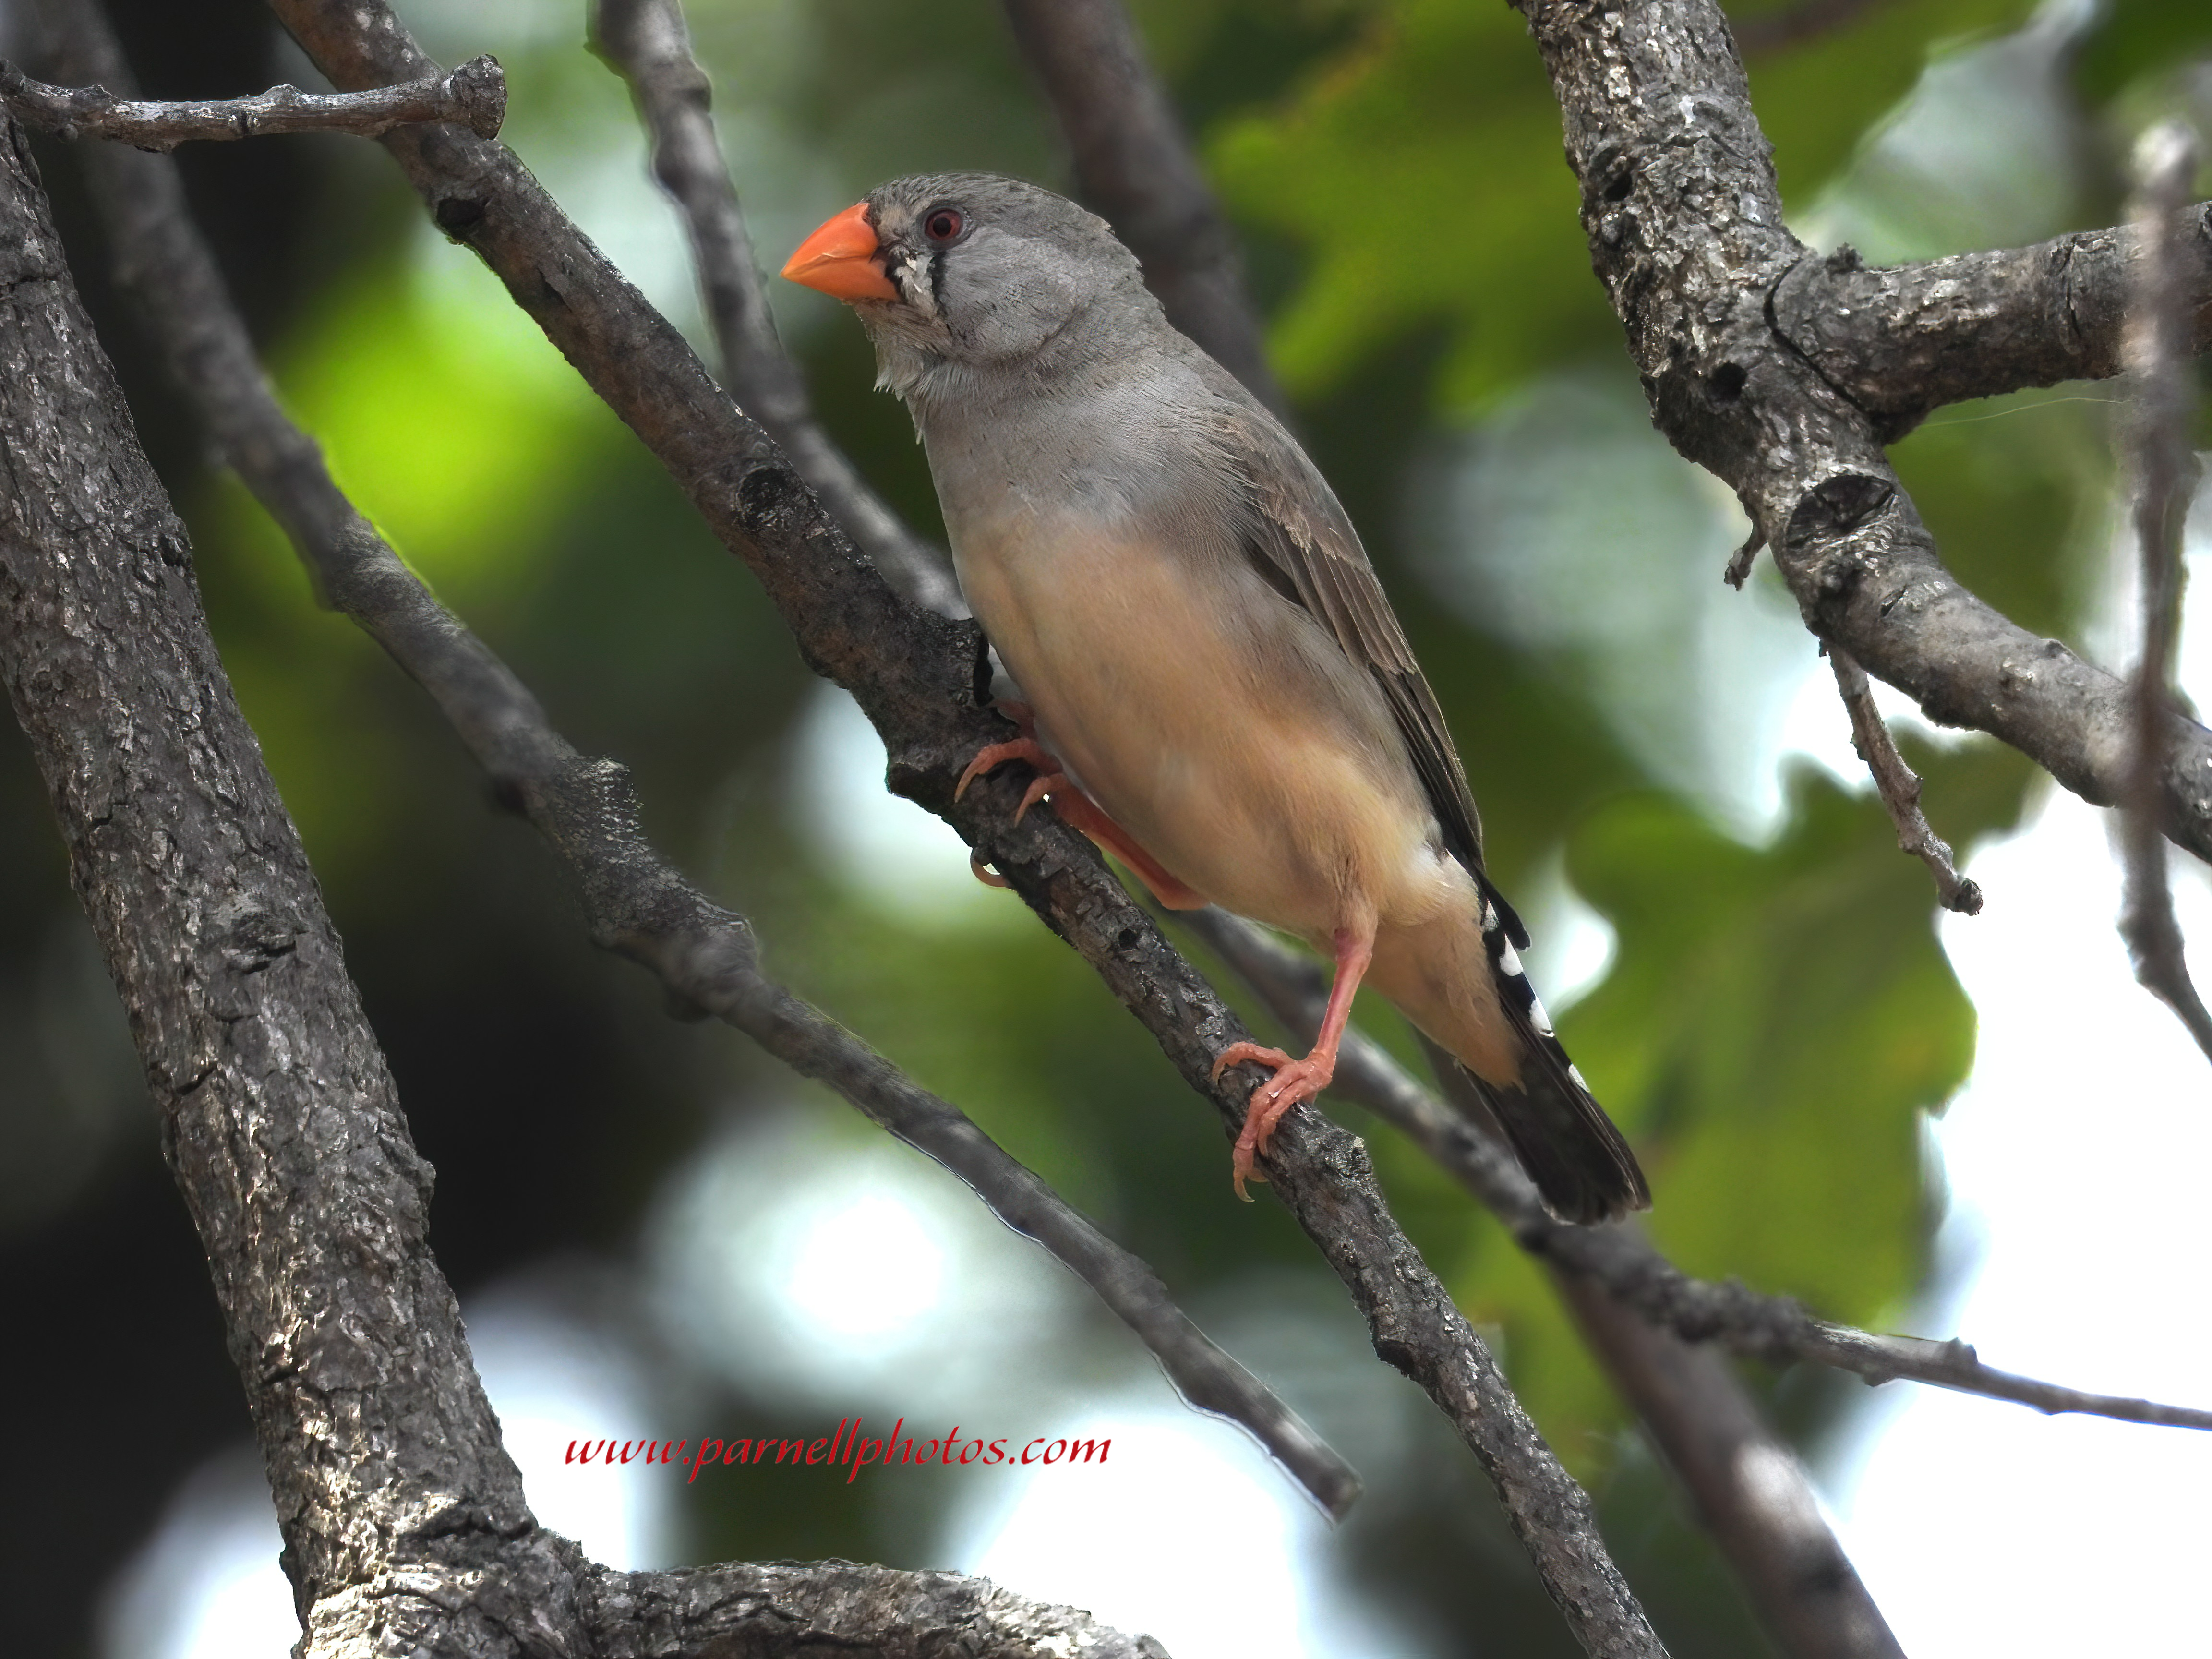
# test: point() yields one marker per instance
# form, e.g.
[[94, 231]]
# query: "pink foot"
[[1295, 1082], [1048, 778], [1026, 749]]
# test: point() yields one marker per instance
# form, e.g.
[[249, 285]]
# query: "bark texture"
[[835, 1607], [474, 95], [278, 1116], [1903, 340]]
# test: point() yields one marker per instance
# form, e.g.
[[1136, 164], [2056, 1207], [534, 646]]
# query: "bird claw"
[[1040, 785], [1048, 778], [998, 754], [1295, 1083]]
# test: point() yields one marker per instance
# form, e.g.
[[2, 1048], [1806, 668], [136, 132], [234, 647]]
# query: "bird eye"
[[943, 225]]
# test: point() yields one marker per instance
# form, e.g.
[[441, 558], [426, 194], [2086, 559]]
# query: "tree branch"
[[916, 676], [1132, 164], [743, 1611], [1774, 1329], [473, 96], [1685, 231], [646, 43], [278, 1117], [1901, 340], [1745, 1484], [1899, 786], [1743, 1481], [2163, 465], [636, 903]]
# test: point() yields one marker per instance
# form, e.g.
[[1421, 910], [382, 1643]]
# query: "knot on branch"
[[480, 88], [1825, 520], [768, 496], [1836, 508], [458, 215], [252, 935]]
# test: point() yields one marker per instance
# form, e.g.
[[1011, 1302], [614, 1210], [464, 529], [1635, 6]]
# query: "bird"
[[1212, 684]]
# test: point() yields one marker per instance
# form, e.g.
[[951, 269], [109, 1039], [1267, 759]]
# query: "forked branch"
[[1687, 231], [916, 675], [648, 44]]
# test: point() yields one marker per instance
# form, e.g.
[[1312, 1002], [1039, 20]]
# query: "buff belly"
[[1232, 759]]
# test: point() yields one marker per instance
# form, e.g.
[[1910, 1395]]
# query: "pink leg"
[[1077, 810], [1297, 1080]]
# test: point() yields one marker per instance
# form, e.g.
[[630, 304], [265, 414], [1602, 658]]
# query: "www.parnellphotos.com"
[[846, 1450]]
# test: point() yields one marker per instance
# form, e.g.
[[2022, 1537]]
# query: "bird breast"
[[1209, 717]]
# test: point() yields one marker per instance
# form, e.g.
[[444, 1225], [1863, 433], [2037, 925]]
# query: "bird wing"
[[1303, 543], [1298, 537]]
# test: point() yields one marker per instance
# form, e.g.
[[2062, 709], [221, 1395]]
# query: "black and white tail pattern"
[[1582, 1167]]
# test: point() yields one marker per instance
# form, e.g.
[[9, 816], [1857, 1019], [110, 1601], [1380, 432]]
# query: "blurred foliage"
[[1777, 1014], [1419, 172], [2153, 41]]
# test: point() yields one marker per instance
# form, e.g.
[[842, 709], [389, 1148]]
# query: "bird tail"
[[1458, 976], [1581, 1166], [1583, 1169]]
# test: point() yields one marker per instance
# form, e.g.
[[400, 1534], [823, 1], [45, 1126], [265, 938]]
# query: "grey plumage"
[[1209, 653]]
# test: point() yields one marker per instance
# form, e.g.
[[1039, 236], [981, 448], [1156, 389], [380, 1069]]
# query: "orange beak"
[[840, 259]]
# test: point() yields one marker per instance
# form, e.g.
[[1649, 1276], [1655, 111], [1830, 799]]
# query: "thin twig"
[[1745, 1322], [637, 903], [1899, 786], [2164, 468], [1134, 165], [916, 675], [1737, 571], [473, 96], [646, 43]]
